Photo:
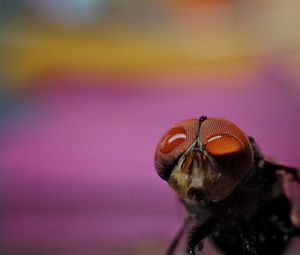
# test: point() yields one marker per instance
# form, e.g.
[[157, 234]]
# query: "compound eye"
[[229, 145], [172, 146], [172, 139], [223, 144]]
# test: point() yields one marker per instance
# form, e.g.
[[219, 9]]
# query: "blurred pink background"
[[78, 129]]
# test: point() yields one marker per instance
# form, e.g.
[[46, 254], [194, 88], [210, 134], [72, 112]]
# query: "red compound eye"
[[172, 146], [223, 144], [222, 137], [172, 139], [229, 145]]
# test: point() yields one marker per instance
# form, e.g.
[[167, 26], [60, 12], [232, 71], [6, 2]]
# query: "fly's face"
[[203, 159]]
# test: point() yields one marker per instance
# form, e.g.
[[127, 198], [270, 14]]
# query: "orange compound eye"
[[229, 145], [172, 139], [223, 144]]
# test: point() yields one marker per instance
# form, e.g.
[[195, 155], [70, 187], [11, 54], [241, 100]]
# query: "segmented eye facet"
[[172, 139]]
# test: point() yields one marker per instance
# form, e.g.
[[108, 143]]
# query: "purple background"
[[76, 155]]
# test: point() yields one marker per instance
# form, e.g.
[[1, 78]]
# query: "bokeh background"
[[87, 88]]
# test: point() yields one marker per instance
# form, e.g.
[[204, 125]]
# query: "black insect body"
[[232, 194]]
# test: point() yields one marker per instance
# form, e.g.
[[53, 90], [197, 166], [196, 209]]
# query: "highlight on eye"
[[172, 139]]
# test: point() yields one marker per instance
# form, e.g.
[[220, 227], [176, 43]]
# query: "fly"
[[232, 193]]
